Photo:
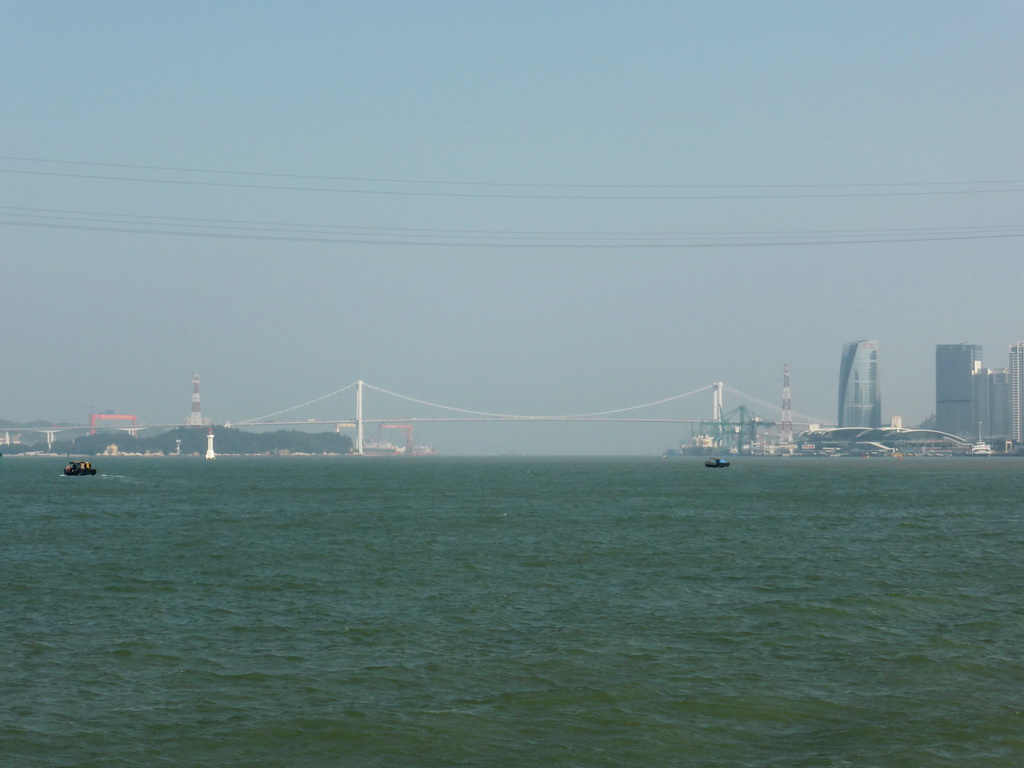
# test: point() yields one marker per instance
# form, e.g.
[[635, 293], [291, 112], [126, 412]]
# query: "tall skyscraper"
[[992, 404], [956, 411], [860, 401], [1017, 392]]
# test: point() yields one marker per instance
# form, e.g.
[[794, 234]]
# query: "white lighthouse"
[[209, 445]]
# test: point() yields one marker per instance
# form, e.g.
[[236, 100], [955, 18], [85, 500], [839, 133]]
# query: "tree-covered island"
[[183, 441]]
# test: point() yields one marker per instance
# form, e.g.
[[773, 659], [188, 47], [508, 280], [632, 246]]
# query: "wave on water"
[[499, 612]]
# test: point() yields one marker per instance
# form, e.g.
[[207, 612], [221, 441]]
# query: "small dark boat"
[[716, 463], [79, 469]]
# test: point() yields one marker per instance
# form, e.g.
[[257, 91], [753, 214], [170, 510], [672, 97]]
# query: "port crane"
[[734, 431], [406, 428]]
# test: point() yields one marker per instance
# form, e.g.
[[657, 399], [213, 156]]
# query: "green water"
[[520, 612]]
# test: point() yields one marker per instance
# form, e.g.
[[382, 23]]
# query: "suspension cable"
[[519, 416], [296, 407], [515, 416], [752, 399]]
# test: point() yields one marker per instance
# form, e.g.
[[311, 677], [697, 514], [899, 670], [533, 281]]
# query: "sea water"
[[439, 611]]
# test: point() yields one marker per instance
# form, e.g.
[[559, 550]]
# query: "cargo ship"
[[383, 447], [699, 445]]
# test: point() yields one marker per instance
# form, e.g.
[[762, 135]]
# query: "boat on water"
[[384, 448], [79, 469], [716, 463]]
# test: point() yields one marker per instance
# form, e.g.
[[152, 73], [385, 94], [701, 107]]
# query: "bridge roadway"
[[352, 422], [338, 424], [346, 423]]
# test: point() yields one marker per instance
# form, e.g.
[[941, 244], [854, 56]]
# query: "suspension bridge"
[[359, 421], [455, 414]]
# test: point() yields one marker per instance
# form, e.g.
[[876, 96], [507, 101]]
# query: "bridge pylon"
[[359, 417]]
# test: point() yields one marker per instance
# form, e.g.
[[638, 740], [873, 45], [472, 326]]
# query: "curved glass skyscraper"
[[860, 404]]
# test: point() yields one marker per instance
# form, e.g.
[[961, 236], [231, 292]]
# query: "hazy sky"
[[516, 207]]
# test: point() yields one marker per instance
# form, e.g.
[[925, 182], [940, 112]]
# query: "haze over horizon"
[[525, 208]]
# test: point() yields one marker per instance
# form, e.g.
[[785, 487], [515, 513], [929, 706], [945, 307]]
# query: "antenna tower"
[[195, 419], [786, 429]]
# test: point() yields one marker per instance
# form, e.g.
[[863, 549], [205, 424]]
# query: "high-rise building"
[[955, 406], [992, 404], [1017, 392], [860, 401]]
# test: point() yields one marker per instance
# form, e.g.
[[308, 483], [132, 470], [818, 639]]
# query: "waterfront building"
[[1016, 384], [858, 441], [955, 406], [860, 401]]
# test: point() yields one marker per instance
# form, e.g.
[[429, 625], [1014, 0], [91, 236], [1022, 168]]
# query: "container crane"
[[735, 430]]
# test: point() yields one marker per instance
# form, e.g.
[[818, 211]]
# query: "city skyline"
[[977, 402], [521, 207], [970, 401]]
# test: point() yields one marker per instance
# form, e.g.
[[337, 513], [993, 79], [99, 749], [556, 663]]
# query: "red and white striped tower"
[[195, 419], [786, 429]]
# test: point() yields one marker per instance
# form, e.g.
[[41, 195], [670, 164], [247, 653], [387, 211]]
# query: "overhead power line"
[[426, 237], [538, 196], [526, 190]]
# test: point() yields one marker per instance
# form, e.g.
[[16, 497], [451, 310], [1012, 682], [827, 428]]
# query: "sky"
[[533, 208]]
